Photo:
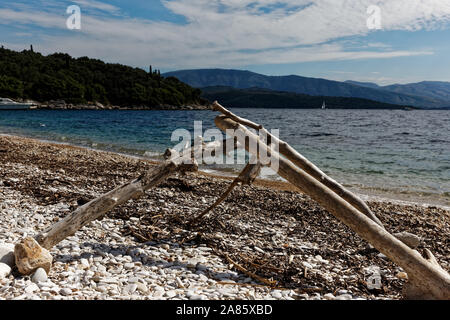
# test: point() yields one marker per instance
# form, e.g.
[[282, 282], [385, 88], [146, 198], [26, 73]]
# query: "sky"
[[381, 41]]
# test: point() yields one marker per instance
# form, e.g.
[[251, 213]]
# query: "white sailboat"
[[324, 106], [8, 104]]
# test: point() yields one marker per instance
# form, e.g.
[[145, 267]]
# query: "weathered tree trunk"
[[133, 189], [299, 160], [431, 281], [100, 206]]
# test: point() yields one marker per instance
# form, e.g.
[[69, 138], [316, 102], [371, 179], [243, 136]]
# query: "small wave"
[[374, 171], [319, 135], [151, 154]]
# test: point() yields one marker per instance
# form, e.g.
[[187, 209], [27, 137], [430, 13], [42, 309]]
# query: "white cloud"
[[236, 32], [97, 5]]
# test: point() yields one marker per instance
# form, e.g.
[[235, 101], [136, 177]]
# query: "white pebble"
[[84, 263], [329, 296], [344, 297], [31, 288], [179, 283], [39, 276], [277, 294], [142, 287], [65, 292], [5, 270], [130, 289]]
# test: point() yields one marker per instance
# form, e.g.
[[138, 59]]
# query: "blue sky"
[[318, 38]]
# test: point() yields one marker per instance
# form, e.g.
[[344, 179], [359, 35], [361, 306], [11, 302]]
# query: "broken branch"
[[247, 176]]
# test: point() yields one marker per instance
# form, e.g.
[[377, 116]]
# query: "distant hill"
[[263, 98], [364, 84], [311, 86], [437, 90], [30, 75], [431, 89]]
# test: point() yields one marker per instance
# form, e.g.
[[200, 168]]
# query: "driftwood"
[[303, 163], [427, 280], [250, 274], [247, 176], [131, 190], [299, 160]]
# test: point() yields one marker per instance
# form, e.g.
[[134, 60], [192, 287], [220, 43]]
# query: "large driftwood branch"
[[299, 160], [429, 280], [185, 161]]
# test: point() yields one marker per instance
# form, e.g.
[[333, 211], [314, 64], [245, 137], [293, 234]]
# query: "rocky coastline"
[[62, 105]]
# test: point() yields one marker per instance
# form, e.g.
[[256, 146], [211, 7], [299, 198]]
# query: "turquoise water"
[[396, 154]]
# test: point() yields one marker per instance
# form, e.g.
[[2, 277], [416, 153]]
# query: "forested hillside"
[[30, 75]]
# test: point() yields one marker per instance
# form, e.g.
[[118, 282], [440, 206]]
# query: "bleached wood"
[[96, 208], [299, 160], [428, 278]]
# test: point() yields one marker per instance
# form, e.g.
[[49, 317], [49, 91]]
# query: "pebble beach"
[[266, 241]]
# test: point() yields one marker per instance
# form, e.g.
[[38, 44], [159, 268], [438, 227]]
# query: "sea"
[[394, 155]]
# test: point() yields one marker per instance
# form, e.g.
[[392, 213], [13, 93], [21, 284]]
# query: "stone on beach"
[[31, 288], [344, 297], [7, 254], [31, 256], [5, 270], [411, 240], [141, 287], [130, 289], [84, 263], [65, 291], [39, 276], [402, 275]]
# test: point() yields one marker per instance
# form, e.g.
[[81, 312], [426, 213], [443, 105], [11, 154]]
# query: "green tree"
[[58, 76], [10, 87]]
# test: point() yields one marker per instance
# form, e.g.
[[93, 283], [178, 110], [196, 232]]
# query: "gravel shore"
[[288, 246]]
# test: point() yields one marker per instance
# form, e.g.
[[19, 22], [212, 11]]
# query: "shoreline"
[[90, 107], [62, 105], [144, 249], [225, 175]]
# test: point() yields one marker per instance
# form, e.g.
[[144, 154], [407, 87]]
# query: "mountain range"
[[264, 98], [431, 95], [432, 89]]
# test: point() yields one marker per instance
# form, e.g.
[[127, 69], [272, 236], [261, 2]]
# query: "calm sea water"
[[394, 154]]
